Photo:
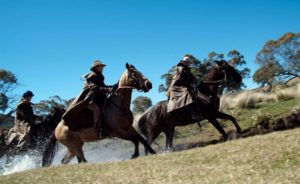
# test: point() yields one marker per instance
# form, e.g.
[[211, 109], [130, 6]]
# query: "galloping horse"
[[117, 121], [41, 133], [157, 120]]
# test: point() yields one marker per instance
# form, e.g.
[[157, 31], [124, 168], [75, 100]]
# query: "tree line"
[[278, 60]]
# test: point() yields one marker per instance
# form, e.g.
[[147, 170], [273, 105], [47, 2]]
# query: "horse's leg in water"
[[217, 125], [150, 139], [169, 138], [79, 152], [145, 143], [74, 150], [136, 148], [151, 136], [9, 158], [68, 157], [222, 115]]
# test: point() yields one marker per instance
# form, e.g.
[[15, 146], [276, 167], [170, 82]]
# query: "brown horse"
[[157, 120], [40, 134], [117, 121]]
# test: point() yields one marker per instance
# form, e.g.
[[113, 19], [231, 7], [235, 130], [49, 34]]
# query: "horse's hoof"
[[134, 156], [168, 150], [224, 138]]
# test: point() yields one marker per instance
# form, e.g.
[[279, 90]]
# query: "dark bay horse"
[[156, 119], [117, 121], [40, 134]]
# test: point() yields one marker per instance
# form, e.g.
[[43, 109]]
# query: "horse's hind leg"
[[169, 138], [80, 160], [79, 152], [222, 115], [74, 150], [67, 158]]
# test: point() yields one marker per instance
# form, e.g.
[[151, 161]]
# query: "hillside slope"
[[270, 158]]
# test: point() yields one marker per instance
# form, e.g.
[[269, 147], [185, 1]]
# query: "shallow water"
[[95, 152]]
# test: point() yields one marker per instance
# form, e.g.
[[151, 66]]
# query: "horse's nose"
[[149, 84]]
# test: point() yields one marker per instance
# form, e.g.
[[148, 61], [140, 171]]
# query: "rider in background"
[[23, 130], [181, 93]]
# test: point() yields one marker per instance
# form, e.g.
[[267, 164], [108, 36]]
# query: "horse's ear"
[[127, 66]]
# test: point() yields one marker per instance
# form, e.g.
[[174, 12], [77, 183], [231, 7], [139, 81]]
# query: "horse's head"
[[229, 72], [134, 79]]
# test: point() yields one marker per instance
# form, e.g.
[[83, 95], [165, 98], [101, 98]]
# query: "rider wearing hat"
[[181, 88], [93, 96]]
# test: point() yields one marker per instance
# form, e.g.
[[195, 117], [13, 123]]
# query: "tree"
[[45, 106], [279, 60], [141, 104], [200, 69], [8, 82]]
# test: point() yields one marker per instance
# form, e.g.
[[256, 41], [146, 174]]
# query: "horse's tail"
[[49, 151]]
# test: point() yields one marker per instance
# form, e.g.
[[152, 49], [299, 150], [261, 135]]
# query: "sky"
[[50, 44]]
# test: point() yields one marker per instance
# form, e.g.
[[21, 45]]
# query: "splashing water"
[[95, 152]]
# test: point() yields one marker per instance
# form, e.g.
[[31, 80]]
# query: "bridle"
[[133, 86]]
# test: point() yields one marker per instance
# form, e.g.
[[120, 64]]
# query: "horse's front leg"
[[136, 149], [222, 115], [217, 125]]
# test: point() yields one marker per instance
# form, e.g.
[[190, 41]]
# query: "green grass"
[[271, 158]]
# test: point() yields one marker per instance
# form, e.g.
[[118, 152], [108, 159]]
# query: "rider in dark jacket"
[[23, 129], [93, 96]]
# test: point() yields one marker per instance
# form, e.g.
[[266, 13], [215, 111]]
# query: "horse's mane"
[[123, 79]]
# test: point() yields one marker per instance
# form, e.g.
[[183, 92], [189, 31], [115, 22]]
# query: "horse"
[[117, 120], [156, 119], [40, 134]]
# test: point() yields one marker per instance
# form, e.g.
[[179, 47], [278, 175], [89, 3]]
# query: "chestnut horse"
[[156, 119], [117, 121]]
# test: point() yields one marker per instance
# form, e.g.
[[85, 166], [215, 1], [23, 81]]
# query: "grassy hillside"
[[246, 118], [270, 158]]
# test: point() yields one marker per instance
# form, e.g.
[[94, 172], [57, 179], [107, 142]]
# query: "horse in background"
[[156, 119], [41, 133], [117, 121]]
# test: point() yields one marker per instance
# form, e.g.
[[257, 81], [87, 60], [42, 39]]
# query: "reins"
[[116, 105]]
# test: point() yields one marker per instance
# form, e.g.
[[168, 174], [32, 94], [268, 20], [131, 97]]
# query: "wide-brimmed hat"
[[97, 63]]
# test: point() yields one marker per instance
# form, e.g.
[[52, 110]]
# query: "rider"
[[181, 93], [24, 121], [94, 93]]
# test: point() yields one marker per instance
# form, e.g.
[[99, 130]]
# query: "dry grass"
[[253, 98], [272, 158]]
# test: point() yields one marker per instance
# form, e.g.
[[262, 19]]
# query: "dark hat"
[[97, 63], [28, 94]]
